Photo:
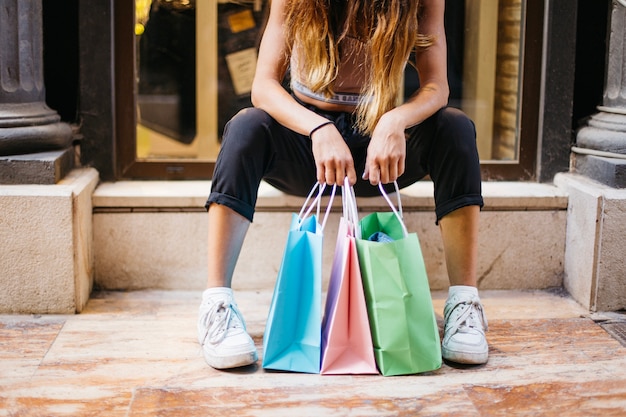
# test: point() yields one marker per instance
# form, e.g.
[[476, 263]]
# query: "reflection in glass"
[[508, 82], [195, 62], [166, 91], [491, 61]]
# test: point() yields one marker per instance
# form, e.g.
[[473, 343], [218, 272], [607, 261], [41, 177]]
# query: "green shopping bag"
[[402, 319]]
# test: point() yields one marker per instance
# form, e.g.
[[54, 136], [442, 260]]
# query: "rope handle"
[[306, 209], [398, 211], [350, 211]]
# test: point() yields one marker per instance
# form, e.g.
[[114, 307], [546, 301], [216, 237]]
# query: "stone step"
[[153, 235]]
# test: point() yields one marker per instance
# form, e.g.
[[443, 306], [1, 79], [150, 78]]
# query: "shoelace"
[[467, 312], [219, 319]]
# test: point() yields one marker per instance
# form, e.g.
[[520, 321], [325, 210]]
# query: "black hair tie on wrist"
[[315, 129]]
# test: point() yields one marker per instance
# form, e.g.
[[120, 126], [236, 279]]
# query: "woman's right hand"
[[332, 156]]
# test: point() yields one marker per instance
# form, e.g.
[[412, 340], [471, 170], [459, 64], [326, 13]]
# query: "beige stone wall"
[[46, 257], [153, 235]]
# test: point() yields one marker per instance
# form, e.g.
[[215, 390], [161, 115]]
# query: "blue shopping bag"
[[292, 338]]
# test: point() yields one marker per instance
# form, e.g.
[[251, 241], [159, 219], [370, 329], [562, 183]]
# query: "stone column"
[[29, 130], [600, 153], [594, 271]]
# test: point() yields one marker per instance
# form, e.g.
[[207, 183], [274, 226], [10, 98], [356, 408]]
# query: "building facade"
[[111, 91]]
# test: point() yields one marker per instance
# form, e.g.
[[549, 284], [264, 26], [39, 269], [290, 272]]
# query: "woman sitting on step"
[[341, 119]]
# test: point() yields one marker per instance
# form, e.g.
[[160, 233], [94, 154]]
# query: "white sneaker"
[[464, 327], [222, 331]]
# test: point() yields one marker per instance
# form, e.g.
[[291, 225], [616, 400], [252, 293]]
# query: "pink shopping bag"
[[346, 339]]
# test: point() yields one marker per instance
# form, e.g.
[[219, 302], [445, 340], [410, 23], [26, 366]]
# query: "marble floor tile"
[[24, 341], [293, 401], [136, 354], [551, 399]]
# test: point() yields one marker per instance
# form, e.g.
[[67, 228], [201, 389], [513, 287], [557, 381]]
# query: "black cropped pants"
[[255, 147]]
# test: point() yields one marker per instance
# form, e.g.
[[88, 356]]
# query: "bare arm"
[[267, 91], [332, 156], [431, 65]]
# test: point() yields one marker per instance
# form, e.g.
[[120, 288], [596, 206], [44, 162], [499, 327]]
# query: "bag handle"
[[398, 211], [316, 202], [350, 211], [330, 205], [304, 214]]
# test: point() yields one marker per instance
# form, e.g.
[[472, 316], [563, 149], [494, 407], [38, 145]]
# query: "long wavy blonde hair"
[[387, 28]]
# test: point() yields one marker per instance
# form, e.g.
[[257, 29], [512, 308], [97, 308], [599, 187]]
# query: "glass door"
[[193, 62]]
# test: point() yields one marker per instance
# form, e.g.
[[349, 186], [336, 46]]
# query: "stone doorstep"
[[190, 195], [140, 230]]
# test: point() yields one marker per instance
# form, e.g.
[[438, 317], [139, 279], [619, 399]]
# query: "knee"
[[246, 128], [250, 116], [456, 131]]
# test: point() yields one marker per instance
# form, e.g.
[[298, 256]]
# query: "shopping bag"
[[402, 319], [346, 338], [292, 338]]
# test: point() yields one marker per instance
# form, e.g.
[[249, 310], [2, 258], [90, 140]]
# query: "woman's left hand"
[[386, 153]]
